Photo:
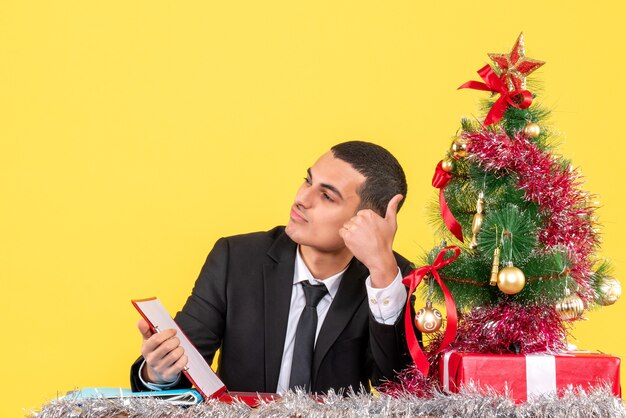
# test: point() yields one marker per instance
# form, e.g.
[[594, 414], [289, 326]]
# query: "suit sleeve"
[[203, 315], [388, 348]]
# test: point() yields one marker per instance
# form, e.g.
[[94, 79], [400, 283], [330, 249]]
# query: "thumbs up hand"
[[369, 237]]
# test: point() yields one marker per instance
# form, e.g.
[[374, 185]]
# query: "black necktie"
[[305, 337]]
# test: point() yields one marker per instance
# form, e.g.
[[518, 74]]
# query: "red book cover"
[[197, 371]]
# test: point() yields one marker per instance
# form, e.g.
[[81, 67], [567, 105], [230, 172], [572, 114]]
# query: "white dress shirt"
[[386, 304]]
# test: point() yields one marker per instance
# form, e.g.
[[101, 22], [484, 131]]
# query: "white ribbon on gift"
[[446, 370], [540, 374]]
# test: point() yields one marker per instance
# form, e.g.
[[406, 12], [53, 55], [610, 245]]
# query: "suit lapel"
[[277, 286], [349, 297]]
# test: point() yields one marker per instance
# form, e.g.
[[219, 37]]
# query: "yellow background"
[[135, 133]]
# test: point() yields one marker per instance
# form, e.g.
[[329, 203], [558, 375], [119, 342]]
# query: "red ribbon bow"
[[520, 99], [441, 178], [412, 281]]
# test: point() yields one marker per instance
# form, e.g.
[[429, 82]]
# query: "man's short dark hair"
[[384, 177]]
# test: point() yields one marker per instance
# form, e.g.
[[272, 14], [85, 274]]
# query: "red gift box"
[[524, 376]]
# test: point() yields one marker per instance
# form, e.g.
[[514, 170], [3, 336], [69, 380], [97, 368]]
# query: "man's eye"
[[326, 196], [307, 180]]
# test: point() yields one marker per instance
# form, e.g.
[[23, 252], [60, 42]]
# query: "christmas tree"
[[526, 230]]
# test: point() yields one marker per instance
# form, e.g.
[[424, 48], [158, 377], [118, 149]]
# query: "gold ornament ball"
[[446, 165], [428, 319], [459, 148], [511, 280], [571, 307], [532, 130], [609, 291]]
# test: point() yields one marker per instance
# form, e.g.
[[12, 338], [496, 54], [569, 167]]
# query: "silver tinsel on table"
[[469, 403]]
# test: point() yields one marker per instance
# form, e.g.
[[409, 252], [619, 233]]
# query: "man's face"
[[326, 200]]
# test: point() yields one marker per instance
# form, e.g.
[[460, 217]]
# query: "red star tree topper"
[[515, 66]]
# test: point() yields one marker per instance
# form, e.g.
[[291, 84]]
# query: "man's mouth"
[[297, 216]]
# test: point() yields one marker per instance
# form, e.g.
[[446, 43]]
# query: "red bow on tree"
[[441, 178], [412, 281], [518, 98]]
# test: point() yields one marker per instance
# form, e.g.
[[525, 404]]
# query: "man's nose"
[[304, 196]]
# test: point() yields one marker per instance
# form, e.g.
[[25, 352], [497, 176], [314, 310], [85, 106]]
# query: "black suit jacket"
[[240, 303]]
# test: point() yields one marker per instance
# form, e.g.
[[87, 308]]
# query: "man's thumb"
[[392, 207], [144, 328]]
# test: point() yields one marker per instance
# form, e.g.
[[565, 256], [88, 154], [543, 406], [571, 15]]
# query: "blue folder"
[[183, 397]]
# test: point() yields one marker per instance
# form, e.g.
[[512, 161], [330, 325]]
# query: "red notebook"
[[197, 370]]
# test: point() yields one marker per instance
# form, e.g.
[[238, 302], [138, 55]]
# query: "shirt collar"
[[302, 273]]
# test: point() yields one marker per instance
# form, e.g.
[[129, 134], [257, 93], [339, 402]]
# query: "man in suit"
[[250, 297]]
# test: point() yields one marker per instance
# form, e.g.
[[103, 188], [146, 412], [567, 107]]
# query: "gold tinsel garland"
[[473, 282]]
